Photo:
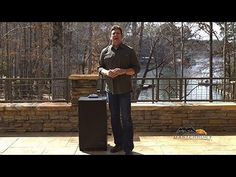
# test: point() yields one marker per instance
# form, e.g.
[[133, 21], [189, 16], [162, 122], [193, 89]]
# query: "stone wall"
[[63, 117], [38, 117], [168, 117]]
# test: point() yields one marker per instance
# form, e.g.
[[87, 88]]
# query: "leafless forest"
[[57, 49]]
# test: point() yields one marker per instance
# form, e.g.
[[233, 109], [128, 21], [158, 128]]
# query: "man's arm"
[[134, 69], [117, 72], [135, 63], [130, 71], [101, 69], [120, 71]]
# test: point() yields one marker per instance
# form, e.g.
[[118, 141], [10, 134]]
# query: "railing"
[[183, 89], [34, 90], [151, 89]]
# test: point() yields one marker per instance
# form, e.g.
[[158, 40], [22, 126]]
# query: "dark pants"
[[122, 125]]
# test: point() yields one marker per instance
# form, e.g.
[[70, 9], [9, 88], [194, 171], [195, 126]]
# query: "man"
[[118, 62]]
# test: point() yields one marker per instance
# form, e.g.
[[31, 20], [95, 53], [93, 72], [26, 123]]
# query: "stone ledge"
[[37, 106], [84, 77], [135, 106], [191, 106]]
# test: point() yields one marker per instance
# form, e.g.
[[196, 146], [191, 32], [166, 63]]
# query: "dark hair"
[[114, 27]]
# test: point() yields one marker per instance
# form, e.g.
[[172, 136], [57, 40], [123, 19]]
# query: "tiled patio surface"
[[145, 144]]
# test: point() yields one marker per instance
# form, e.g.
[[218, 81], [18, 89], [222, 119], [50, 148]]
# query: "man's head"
[[116, 35]]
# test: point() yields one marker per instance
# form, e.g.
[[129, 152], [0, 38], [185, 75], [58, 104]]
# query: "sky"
[[205, 36], [202, 35]]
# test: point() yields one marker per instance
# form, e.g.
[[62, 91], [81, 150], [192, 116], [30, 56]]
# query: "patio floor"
[[67, 143]]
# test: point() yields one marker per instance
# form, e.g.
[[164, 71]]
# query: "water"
[[198, 69]]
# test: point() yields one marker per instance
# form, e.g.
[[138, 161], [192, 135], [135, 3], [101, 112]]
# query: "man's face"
[[116, 37]]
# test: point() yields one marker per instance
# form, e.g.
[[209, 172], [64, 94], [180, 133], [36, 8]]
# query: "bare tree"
[[58, 57]]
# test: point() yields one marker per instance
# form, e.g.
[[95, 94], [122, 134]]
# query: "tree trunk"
[[8, 84], [210, 65], [174, 58], [57, 59], [90, 48], [182, 60]]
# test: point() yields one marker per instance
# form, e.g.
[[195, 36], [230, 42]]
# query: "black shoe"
[[116, 149], [128, 152]]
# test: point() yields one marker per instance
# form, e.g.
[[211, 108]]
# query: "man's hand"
[[119, 71], [110, 73], [114, 72]]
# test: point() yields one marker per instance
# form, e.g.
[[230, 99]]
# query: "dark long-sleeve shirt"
[[123, 57]]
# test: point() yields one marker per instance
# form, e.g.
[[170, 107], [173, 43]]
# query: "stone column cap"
[[84, 76]]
